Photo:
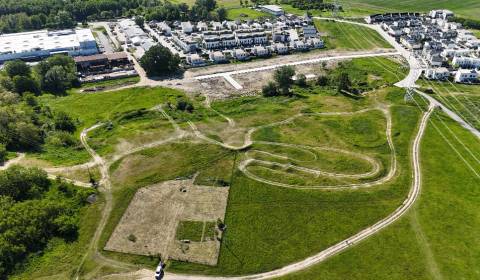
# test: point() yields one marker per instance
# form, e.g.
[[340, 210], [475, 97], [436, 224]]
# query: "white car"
[[159, 271]]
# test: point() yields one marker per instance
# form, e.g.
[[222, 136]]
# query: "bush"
[[269, 89], [322, 81], [184, 105], [61, 139], [301, 80]]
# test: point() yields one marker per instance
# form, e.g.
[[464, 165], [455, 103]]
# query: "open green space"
[[245, 13], [346, 36], [190, 230], [93, 108], [437, 238], [462, 99], [468, 8]]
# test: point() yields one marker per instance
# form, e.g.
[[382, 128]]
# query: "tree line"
[[33, 210], [25, 123], [25, 15]]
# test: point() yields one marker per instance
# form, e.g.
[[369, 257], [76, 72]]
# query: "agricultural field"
[[433, 240]]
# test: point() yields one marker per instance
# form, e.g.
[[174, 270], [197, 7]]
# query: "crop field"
[[436, 239]]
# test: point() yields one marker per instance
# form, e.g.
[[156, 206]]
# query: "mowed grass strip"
[[438, 238], [190, 230]]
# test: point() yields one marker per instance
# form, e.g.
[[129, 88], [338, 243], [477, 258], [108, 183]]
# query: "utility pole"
[[336, 9], [408, 97]]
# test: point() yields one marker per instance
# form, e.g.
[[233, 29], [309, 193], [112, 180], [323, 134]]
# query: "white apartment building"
[[466, 76], [441, 73], [466, 62]]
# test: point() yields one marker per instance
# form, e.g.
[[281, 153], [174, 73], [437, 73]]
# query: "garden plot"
[[175, 219]]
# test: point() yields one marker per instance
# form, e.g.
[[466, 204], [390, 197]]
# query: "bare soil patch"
[[149, 225]]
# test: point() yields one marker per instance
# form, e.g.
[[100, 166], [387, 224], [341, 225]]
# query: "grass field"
[[245, 13], [93, 108], [437, 238], [462, 99], [347, 36], [258, 215], [468, 8]]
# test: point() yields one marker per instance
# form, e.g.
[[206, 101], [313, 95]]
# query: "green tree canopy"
[[159, 60], [283, 78], [17, 68]]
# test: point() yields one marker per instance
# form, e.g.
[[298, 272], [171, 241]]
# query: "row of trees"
[[24, 15], [311, 4], [55, 74], [283, 82], [32, 211], [201, 10]]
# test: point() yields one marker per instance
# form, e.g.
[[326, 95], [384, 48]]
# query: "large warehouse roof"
[[44, 40]]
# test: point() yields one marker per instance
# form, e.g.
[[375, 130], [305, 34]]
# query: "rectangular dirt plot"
[[175, 219]]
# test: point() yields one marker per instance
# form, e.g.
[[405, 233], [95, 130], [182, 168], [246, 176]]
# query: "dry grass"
[[149, 225]]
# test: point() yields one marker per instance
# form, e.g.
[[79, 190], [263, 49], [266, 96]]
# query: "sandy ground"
[[154, 214]]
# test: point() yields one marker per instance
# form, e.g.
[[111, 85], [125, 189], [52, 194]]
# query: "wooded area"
[[34, 209]]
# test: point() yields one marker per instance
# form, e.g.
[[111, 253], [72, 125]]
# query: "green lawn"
[[190, 230], [467, 8], [97, 107], [245, 13], [438, 238], [346, 36], [462, 99]]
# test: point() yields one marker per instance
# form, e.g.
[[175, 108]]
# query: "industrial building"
[[37, 45], [272, 9]]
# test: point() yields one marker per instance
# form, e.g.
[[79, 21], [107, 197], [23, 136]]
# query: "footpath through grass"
[[438, 238]]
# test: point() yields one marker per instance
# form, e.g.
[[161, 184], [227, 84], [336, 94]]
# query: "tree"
[[159, 60], [283, 78], [23, 84], [27, 136], [140, 21], [64, 122], [270, 89], [17, 68], [64, 19], [221, 14], [343, 82], [56, 80]]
